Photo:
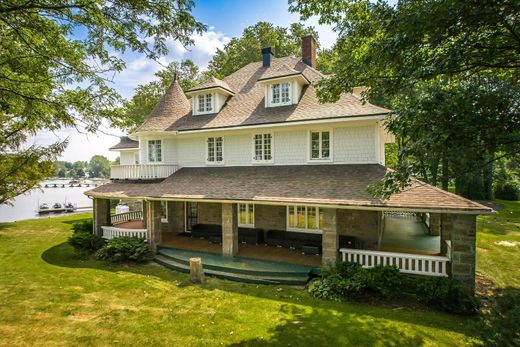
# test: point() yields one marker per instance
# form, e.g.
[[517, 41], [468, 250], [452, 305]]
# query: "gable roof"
[[247, 106], [336, 185], [125, 143], [280, 72], [211, 83]]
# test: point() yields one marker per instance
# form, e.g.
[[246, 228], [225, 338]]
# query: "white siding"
[[290, 147], [127, 157], [355, 145], [192, 151], [238, 150]]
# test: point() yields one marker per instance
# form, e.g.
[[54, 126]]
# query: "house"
[[254, 167]]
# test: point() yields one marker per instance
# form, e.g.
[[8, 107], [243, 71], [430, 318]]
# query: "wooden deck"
[[263, 252]]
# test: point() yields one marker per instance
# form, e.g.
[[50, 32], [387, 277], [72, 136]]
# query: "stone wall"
[[364, 225], [229, 229], [176, 219], [269, 217], [330, 236], [209, 213]]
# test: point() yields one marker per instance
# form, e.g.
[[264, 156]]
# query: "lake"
[[25, 206]]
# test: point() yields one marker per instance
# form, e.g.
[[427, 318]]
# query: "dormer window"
[[280, 94], [205, 103]]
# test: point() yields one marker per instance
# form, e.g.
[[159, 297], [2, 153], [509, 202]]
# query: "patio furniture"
[[292, 239], [250, 235], [205, 231], [311, 249]]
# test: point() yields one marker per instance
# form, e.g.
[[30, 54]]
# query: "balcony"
[[141, 172]]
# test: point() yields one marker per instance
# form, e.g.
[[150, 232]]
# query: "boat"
[[44, 206], [57, 206], [70, 207]]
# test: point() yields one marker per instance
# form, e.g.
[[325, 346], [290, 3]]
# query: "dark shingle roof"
[[125, 143], [247, 106], [339, 185]]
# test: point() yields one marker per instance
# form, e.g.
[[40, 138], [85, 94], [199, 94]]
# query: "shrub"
[[508, 190], [83, 240], [386, 281], [447, 295], [122, 249]]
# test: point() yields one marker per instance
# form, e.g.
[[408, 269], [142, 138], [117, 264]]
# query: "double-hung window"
[[304, 218], [281, 93], [320, 144], [246, 215], [154, 151], [215, 150], [205, 103], [262, 147]]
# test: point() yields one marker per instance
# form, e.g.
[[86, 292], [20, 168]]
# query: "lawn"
[[49, 296]]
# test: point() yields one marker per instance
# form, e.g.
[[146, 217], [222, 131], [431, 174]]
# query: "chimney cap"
[[267, 56]]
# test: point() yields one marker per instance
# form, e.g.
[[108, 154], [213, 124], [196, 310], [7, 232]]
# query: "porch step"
[[181, 267], [237, 265], [236, 268]]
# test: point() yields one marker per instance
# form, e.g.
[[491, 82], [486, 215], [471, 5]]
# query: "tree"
[[148, 95], [56, 58], [448, 69], [240, 51], [99, 166]]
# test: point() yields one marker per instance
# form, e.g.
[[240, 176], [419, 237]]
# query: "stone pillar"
[[153, 225], [229, 229], [145, 214], [330, 239], [462, 234], [101, 215], [435, 224], [176, 218]]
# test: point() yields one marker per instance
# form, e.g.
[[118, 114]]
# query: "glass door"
[[191, 215]]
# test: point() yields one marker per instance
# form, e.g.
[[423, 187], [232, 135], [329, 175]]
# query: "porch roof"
[[322, 185]]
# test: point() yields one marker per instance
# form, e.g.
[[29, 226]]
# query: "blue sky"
[[225, 19]]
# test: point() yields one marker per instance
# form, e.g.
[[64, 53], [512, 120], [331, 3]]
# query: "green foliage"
[[99, 166], [83, 240], [508, 190], [49, 80], [239, 52], [124, 249], [351, 281]]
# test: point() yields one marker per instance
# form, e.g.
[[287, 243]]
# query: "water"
[[25, 206]]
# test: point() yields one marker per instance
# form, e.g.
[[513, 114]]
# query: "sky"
[[225, 19]]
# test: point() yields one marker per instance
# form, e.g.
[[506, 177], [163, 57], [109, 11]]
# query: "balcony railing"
[[416, 264], [126, 217], [141, 172], [111, 232]]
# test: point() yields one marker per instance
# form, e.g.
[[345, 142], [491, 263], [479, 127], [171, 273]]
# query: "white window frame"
[[204, 110], [248, 223], [253, 148], [148, 151], [309, 145], [165, 218], [270, 94], [306, 229], [214, 162]]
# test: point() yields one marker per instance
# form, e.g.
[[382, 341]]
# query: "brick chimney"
[[309, 50], [267, 56]]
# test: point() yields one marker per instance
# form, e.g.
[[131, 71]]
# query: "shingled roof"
[[211, 83], [280, 72], [125, 143], [247, 106], [337, 185]]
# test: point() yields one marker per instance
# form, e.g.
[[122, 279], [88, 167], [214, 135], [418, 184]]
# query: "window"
[[320, 145], [246, 215], [164, 211], [304, 218], [215, 154], [280, 93], [205, 103], [154, 151], [262, 147]]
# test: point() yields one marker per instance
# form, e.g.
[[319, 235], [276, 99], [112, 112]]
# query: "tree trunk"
[[196, 271]]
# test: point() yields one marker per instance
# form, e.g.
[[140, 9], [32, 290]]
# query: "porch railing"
[[416, 264], [111, 232], [126, 217], [141, 171]]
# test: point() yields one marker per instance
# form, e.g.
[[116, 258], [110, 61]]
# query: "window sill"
[[309, 231], [262, 162], [329, 160], [250, 226], [214, 163]]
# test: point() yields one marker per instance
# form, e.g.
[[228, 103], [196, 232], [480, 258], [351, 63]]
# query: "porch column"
[[435, 224], [176, 218], [145, 214], [330, 237], [229, 229], [153, 224], [101, 215], [462, 234]]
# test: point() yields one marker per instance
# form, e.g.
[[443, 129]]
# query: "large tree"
[[240, 51], [99, 166], [448, 69], [56, 61]]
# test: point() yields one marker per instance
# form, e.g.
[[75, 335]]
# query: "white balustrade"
[[126, 217], [142, 171], [111, 232], [416, 264]]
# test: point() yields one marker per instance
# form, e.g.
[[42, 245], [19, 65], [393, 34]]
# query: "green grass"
[[49, 296]]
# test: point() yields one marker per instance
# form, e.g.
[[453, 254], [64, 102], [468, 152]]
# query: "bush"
[[83, 240], [123, 249], [387, 281], [508, 190], [447, 295]]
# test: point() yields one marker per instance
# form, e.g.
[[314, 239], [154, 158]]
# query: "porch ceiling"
[[334, 185]]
